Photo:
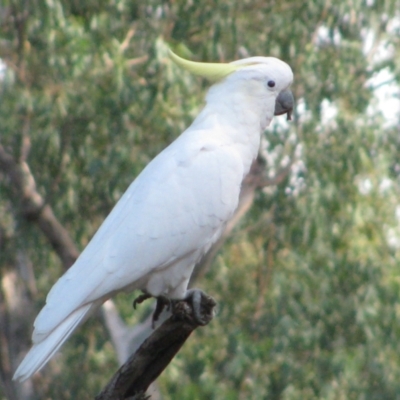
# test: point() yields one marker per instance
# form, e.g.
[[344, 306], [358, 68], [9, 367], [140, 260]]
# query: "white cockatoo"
[[176, 208]]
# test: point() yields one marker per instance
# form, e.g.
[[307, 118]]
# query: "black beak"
[[284, 104]]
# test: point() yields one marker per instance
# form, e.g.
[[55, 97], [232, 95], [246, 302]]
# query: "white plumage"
[[173, 212]]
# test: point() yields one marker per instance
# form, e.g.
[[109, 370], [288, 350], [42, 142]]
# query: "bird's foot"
[[140, 299], [162, 302], [202, 306]]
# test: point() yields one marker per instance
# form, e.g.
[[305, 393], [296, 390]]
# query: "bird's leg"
[[162, 302], [194, 297]]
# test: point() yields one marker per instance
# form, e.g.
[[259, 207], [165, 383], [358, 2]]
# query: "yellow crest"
[[213, 71]]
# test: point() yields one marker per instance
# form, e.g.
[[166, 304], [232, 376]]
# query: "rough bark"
[[156, 352]]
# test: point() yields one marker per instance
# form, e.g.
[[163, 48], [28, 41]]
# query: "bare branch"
[[125, 43], [138, 60], [157, 351], [33, 207]]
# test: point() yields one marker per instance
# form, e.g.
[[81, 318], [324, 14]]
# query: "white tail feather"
[[42, 351]]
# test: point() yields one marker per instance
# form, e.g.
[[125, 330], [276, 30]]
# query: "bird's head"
[[275, 75]]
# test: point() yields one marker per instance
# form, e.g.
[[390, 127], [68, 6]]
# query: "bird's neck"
[[238, 114]]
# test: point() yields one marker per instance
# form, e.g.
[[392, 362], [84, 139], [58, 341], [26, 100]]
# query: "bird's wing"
[[176, 206]]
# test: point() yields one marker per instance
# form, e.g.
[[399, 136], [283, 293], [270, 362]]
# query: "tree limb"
[[156, 352], [33, 207]]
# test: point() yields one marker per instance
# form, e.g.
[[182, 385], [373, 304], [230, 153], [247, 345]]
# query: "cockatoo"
[[176, 208]]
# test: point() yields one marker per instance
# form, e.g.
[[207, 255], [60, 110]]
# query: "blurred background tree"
[[308, 282]]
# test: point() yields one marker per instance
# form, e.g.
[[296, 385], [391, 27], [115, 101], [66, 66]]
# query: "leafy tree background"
[[308, 283]]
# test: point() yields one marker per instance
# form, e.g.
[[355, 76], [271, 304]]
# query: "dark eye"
[[271, 83]]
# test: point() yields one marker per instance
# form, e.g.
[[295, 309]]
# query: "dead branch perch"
[[34, 208], [156, 352]]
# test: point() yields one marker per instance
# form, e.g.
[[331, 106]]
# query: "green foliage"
[[307, 286]]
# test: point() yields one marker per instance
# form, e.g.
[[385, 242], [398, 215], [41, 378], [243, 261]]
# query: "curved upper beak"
[[284, 104]]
